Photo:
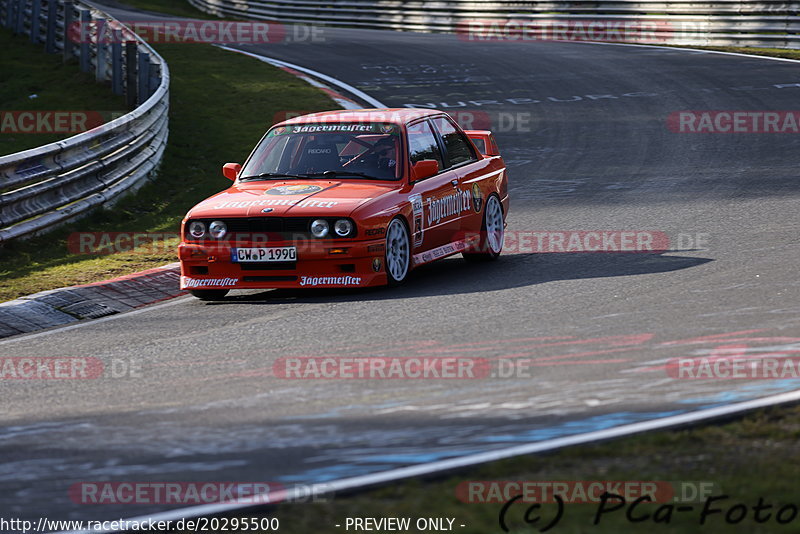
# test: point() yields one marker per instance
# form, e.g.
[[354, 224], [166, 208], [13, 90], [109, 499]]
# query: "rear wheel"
[[398, 252], [209, 294], [492, 233]]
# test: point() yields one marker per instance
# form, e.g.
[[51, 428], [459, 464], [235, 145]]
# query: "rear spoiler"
[[485, 142]]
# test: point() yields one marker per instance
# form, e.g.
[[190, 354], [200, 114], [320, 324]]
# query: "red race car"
[[347, 199]]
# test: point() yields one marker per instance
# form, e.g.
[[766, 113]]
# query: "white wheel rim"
[[495, 230], [397, 250]]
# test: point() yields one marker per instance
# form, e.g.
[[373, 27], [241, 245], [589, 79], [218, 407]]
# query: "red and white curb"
[[313, 78], [58, 307]]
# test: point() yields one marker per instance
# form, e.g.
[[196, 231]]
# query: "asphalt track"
[[598, 326]]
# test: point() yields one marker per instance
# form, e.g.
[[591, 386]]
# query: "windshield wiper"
[[345, 173], [270, 175]]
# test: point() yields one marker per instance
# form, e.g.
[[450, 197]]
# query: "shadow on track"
[[455, 276]]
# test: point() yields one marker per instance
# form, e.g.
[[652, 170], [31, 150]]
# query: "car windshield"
[[341, 150]]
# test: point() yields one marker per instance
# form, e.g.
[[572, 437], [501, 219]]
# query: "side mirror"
[[484, 140], [231, 170], [425, 168]]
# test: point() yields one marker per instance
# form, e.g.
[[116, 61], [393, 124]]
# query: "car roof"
[[390, 115]]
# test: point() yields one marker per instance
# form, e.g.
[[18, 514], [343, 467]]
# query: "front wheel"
[[398, 252], [492, 233], [209, 294]]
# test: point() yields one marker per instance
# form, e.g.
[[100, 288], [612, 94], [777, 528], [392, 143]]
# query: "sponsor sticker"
[[450, 205], [188, 283], [376, 264], [293, 190], [300, 203], [320, 281], [477, 197], [416, 208]]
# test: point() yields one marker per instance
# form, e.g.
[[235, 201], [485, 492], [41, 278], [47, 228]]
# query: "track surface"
[[599, 325]]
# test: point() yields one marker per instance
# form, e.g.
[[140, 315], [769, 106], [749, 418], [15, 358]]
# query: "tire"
[[209, 294], [492, 232], [397, 259]]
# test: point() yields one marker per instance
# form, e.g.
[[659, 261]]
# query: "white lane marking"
[[333, 81], [394, 475], [26, 337]]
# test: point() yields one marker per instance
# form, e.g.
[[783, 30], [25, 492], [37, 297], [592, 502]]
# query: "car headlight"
[[197, 229], [217, 229], [319, 228], [343, 227]]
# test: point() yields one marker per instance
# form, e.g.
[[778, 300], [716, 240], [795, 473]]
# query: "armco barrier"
[[679, 22], [52, 184]]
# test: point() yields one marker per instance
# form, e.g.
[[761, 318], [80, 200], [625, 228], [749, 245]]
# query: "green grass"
[[221, 103], [179, 8], [45, 84], [756, 456], [773, 52]]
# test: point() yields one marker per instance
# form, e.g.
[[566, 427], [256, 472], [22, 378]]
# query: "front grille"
[[269, 278], [263, 228]]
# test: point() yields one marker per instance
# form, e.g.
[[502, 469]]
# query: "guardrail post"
[[52, 14], [116, 62], [130, 73], [19, 26], [85, 39], [101, 70], [68, 44], [36, 10], [143, 72], [155, 78]]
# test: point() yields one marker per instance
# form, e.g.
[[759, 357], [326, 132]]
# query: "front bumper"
[[319, 264]]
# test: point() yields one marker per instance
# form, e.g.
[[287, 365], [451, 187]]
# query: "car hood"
[[291, 198]]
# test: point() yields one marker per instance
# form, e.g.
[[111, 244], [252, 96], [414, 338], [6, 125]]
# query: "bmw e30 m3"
[[348, 199]]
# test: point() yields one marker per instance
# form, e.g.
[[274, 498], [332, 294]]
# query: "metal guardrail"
[[681, 22], [55, 183]]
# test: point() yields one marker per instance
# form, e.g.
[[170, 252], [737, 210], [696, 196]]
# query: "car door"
[[470, 171], [435, 200]]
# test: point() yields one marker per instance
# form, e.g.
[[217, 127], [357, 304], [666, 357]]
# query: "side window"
[[457, 147], [422, 143]]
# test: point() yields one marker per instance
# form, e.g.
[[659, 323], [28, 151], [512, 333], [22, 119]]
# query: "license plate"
[[263, 254]]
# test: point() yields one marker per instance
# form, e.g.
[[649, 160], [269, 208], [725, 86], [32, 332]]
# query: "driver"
[[386, 151]]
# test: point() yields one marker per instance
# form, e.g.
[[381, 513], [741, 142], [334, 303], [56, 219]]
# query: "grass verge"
[[772, 52], [221, 103], [47, 84], [754, 457], [178, 8]]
